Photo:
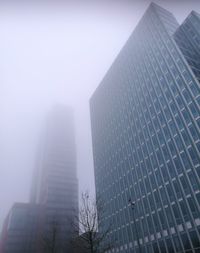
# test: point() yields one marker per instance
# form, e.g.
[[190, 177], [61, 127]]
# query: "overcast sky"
[[57, 53]]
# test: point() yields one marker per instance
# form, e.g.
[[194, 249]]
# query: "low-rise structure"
[[22, 229]]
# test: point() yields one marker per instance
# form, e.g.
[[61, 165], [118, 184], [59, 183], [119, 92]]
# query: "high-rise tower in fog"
[[44, 225], [55, 184], [145, 118]]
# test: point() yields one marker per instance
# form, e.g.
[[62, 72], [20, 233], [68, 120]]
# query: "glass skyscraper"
[[145, 118], [187, 37]]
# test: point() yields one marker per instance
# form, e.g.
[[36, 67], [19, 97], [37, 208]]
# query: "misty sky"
[[57, 53]]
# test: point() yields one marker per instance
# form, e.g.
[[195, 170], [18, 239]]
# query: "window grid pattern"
[[187, 37], [146, 142]]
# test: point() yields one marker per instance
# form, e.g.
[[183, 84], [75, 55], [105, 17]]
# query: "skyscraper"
[[55, 182], [45, 224], [187, 37], [145, 118]]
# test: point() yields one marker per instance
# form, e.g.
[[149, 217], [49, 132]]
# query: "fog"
[[57, 53]]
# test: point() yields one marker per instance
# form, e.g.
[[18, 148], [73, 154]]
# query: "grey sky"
[[57, 53]]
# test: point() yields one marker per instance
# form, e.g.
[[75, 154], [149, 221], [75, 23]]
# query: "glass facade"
[[187, 37], [145, 118]]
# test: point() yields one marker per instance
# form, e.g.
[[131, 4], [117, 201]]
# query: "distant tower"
[[145, 119], [55, 183]]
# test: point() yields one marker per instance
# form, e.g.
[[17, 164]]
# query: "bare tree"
[[94, 234], [57, 234]]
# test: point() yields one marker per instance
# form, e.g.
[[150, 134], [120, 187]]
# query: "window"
[[173, 108], [157, 106], [180, 82], [157, 198], [142, 188], [167, 113], [156, 222], [186, 116], [198, 121], [158, 90], [159, 157], [192, 205], [186, 137], [162, 246], [186, 95], [198, 146], [164, 67], [161, 138], [171, 169], [178, 165], [180, 102], [180, 65], [177, 188], [174, 89], [161, 118], [162, 217], [193, 180], [179, 122], [156, 124], [185, 160], [162, 101], [187, 76], [198, 198], [166, 132], [184, 183], [193, 132], [193, 155], [151, 129], [177, 244], [169, 215], [178, 142], [170, 192], [174, 71], [194, 238], [168, 95], [153, 161], [194, 89], [158, 177], [172, 148], [165, 174], [151, 109], [184, 208], [176, 211], [152, 180], [149, 145], [172, 127], [155, 142], [193, 110], [166, 153], [150, 224], [186, 242], [163, 195]]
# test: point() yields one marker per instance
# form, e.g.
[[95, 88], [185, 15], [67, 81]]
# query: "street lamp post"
[[132, 203]]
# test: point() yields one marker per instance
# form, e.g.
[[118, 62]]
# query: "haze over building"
[[145, 118], [55, 183]]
